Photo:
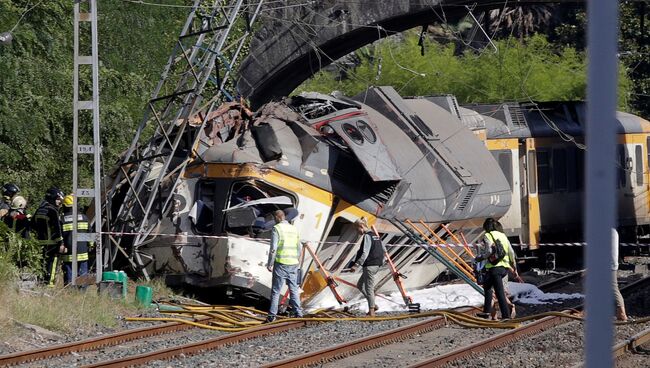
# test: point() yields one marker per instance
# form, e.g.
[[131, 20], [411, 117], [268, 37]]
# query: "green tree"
[[36, 85], [516, 71]]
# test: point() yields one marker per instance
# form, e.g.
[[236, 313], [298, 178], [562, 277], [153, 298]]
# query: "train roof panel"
[[544, 119]]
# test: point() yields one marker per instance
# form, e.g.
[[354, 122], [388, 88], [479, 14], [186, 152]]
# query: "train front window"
[[250, 208]]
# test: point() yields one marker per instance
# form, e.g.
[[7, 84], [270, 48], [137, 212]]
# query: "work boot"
[[269, 319], [620, 314]]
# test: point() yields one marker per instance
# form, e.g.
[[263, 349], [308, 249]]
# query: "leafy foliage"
[[18, 254], [135, 42], [36, 86], [532, 70]]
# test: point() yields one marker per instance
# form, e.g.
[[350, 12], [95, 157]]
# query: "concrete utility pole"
[[601, 209]]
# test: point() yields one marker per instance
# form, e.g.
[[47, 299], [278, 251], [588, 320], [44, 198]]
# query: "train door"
[[530, 221], [632, 192], [506, 153], [337, 246]]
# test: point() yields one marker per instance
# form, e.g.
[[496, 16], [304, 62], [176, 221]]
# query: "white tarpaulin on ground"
[[451, 296]]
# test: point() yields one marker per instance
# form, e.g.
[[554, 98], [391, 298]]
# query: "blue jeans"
[[282, 273], [82, 269]]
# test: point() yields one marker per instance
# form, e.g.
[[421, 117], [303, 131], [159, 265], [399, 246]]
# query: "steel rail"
[[492, 342], [94, 343], [632, 344], [199, 346], [523, 331], [553, 284], [363, 344]]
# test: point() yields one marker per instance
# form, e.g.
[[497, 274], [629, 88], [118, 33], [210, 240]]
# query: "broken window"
[[250, 208], [202, 213]]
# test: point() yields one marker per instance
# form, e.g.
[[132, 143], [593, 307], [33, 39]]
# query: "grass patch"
[[60, 309], [67, 310]]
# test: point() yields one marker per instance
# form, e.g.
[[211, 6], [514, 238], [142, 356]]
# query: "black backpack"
[[498, 251]]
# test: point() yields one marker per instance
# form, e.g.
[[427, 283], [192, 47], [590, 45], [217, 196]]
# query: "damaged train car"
[[326, 160]]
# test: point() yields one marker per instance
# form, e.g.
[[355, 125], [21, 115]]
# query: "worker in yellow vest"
[[284, 256], [497, 265]]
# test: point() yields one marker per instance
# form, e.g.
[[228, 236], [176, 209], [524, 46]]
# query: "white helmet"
[[18, 202]]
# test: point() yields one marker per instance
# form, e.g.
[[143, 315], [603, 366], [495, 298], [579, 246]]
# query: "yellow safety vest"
[[288, 244], [503, 239]]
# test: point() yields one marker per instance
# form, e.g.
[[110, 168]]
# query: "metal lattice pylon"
[[95, 148], [200, 64]]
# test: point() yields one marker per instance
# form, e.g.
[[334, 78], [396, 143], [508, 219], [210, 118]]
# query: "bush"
[[18, 254]]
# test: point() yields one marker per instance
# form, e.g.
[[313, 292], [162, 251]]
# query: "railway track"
[[328, 354], [358, 346], [530, 329], [40, 355], [198, 347], [558, 283], [364, 344], [94, 343], [132, 335]]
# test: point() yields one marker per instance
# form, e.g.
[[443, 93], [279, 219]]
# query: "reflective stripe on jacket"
[[82, 246], [288, 244], [493, 236], [80, 257]]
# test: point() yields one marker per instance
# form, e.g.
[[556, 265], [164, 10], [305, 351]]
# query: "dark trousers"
[[50, 264], [495, 280], [67, 270]]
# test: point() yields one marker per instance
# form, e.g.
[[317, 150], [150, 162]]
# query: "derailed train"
[[380, 156], [334, 160]]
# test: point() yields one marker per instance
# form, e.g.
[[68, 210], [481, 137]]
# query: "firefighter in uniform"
[[17, 220], [9, 191], [283, 261], [370, 257], [82, 246], [49, 233]]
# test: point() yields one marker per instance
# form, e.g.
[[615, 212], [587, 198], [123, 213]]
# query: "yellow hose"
[[239, 318]]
